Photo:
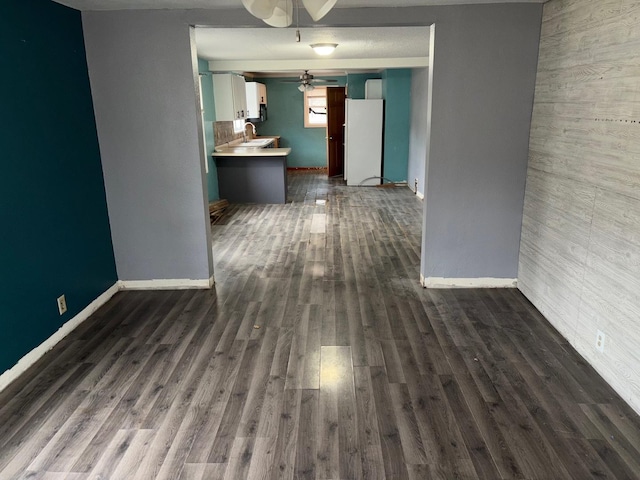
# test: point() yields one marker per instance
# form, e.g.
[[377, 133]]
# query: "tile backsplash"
[[223, 133]]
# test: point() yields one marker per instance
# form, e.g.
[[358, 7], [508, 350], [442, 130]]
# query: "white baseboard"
[[34, 355], [165, 284], [486, 282]]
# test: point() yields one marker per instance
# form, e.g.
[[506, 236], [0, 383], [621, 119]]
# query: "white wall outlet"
[[600, 341], [62, 304]]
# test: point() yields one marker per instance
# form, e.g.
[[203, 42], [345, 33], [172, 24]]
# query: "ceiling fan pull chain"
[[297, 21]]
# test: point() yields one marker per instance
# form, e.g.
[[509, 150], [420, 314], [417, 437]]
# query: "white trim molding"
[[420, 195], [166, 284], [34, 355], [483, 282]]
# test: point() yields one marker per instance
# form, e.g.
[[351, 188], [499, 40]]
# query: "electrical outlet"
[[600, 341], [62, 304]]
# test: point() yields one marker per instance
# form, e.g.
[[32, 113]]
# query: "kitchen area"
[[251, 156], [250, 165], [248, 169]]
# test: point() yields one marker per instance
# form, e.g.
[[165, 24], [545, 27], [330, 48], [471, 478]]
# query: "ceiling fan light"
[[318, 8], [324, 49], [282, 14], [301, 87], [260, 8]]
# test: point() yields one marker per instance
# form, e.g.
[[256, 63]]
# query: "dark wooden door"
[[335, 130]]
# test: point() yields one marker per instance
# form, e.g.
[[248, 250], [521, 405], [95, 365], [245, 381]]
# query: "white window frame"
[[317, 92]]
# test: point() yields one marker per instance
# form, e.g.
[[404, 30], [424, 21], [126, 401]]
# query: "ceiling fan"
[[279, 13], [307, 81]]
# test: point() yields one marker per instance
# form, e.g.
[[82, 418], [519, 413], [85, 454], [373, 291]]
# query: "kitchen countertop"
[[234, 149], [251, 152], [252, 174]]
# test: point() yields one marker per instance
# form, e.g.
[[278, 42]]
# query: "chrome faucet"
[[252, 126]]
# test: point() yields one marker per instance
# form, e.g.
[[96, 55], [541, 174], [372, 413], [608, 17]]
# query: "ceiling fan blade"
[[260, 8], [282, 14], [318, 8], [307, 79]]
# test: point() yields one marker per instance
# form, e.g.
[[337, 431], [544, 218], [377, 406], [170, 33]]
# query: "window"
[[315, 107]]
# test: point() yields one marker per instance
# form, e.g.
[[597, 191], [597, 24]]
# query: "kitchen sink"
[[256, 142]]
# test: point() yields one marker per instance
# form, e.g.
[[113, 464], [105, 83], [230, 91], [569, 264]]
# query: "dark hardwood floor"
[[317, 356]]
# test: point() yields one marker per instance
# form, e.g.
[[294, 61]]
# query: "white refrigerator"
[[363, 142]]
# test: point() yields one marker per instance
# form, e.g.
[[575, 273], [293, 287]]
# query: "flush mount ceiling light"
[[324, 48], [279, 13]]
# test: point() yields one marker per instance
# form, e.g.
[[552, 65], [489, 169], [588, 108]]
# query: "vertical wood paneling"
[[579, 260]]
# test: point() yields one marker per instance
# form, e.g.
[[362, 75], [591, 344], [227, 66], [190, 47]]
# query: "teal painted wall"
[[285, 105], [396, 91], [355, 84], [55, 236], [209, 118]]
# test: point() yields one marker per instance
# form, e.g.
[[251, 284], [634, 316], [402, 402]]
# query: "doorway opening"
[[222, 49]]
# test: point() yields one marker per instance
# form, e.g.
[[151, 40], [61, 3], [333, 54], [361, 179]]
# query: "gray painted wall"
[[419, 128], [141, 70], [484, 70], [579, 257], [483, 82]]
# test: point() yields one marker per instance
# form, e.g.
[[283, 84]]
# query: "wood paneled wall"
[[580, 247]]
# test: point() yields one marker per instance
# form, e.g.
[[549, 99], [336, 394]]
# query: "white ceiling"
[[209, 4], [275, 49]]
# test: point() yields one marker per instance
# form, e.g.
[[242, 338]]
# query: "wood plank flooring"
[[317, 356]]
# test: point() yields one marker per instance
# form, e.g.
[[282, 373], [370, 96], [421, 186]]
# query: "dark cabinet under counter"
[[253, 177]]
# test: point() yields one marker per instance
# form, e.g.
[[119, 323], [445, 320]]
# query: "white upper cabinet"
[[239, 96], [230, 97], [256, 94]]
